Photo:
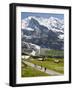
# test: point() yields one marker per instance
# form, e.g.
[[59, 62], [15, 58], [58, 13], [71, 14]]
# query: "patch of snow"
[[25, 57], [28, 37], [33, 53], [29, 29], [61, 36]]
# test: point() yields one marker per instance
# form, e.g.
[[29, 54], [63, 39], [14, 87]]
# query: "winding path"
[[49, 72]]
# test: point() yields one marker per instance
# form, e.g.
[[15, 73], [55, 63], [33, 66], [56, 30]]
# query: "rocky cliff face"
[[44, 32]]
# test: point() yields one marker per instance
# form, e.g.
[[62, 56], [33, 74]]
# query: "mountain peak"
[[45, 32]]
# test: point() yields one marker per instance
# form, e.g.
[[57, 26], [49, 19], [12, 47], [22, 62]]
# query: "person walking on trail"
[[45, 68], [41, 66], [35, 65]]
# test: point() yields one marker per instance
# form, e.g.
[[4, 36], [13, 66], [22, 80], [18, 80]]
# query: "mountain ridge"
[[47, 33]]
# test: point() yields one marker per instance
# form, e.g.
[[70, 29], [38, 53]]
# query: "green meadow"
[[27, 71], [51, 63]]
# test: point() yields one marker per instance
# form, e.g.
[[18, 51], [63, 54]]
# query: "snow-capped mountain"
[[45, 32], [50, 23]]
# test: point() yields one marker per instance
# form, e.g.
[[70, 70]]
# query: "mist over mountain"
[[44, 32]]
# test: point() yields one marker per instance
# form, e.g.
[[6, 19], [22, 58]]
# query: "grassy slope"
[[50, 64], [55, 52], [31, 72]]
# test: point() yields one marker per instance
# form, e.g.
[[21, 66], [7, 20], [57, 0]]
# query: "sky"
[[44, 15]]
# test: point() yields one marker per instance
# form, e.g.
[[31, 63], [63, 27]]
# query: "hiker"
[[41, 66], [45, 68], [35, 65]]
